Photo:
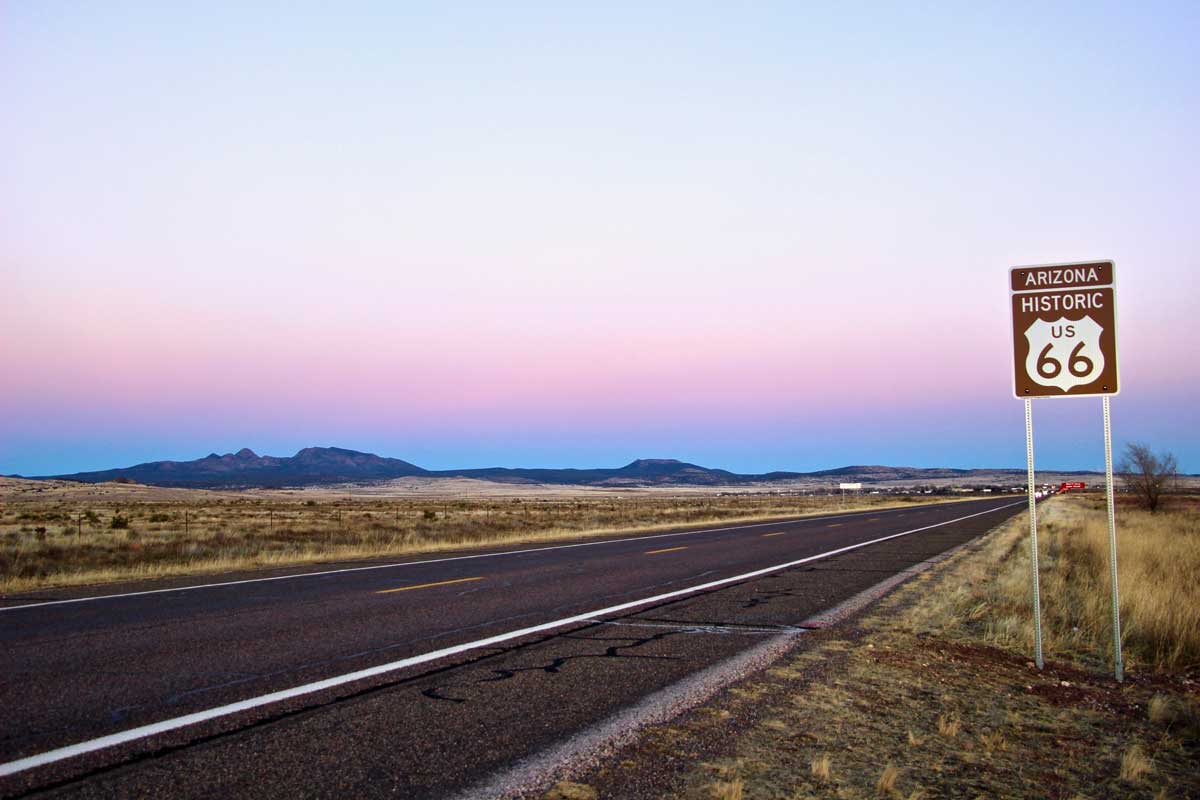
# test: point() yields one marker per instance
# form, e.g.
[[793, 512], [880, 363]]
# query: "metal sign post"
[[1064, 334], [1033, 545], [1112, 544]]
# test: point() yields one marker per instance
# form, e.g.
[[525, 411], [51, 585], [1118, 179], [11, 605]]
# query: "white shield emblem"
[[1064, 353]]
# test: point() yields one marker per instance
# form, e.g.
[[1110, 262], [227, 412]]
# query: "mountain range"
[[332, 465]]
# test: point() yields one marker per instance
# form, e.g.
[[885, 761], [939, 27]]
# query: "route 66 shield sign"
[[1064, 330], [1063, 353]]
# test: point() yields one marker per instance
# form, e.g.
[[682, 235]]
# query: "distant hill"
[[245, 468], [637, 473], [330, 465]]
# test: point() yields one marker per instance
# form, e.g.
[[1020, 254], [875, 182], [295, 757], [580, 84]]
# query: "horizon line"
[[252, 452]]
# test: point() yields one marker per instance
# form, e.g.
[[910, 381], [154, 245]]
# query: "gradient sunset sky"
[[771, 237]]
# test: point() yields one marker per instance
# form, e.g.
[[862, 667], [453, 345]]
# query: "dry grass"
[[76, 540], [566, 790], [948, 727], [821, 768], [1158, 558], [886, 785], [729, 790], [1175, 714], [1135, 764], [993, 742]]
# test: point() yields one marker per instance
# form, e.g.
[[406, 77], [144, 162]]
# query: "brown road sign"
[[1064, 330]]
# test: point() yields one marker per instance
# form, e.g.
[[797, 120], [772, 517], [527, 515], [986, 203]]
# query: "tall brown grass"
[[822, 768], [886, 785], [1135, 764], [1158, 557]]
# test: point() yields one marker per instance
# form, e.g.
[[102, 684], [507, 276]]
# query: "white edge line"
[[143, 731], [394, 565]]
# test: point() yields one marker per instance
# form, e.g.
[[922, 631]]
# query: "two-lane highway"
[[222, 681]]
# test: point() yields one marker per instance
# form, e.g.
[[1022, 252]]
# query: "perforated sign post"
[[1064, 334]]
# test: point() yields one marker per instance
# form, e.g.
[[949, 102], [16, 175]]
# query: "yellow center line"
[[834, 525], [776, 533], [428, 585], [665, 550], [873, 519]]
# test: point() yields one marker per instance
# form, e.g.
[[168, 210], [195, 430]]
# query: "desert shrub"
[[1146, 474]]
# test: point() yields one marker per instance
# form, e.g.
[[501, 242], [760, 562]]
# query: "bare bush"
[[1146, 474]]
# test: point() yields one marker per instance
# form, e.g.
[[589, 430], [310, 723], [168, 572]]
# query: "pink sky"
[[389, 232]]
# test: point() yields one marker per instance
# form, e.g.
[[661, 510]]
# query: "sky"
[[770, 237]]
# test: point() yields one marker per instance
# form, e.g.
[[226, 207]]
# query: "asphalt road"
[[441, 707]]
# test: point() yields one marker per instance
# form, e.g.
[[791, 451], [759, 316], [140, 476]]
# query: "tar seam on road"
[[153, 729], [427, 585], [436, 560]]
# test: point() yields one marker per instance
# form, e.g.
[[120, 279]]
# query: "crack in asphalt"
[[765, 597], [556, 664]]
